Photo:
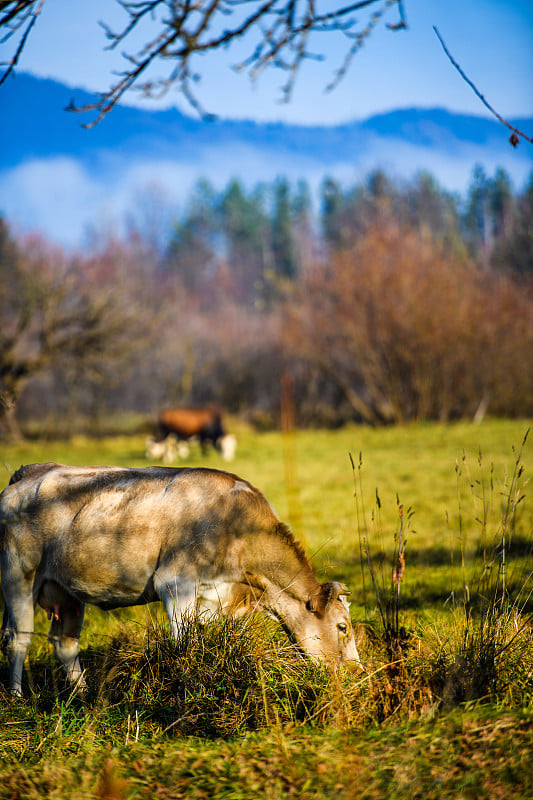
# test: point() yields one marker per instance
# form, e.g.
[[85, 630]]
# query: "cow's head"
[[320, 625], [325, 632]]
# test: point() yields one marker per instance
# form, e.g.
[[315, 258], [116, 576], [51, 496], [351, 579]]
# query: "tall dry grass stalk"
[[489, 654], [386, 587], [485, 650]]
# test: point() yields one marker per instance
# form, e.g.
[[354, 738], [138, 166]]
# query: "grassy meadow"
[[445, 708]]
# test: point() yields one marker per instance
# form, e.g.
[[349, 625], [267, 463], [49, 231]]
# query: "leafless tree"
[[56, 311], [177, 32], [400, 328]]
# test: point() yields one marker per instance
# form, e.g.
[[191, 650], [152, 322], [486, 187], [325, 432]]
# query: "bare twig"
[[17, 14], [374, 584], [280, 32], [516, 133]]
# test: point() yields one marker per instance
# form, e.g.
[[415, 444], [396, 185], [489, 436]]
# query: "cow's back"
[[176, 494], [93, 529], [189, 422]]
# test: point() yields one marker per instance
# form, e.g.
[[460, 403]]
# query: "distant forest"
[[392, 301]]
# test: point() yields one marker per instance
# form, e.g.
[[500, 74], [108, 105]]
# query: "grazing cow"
[[204, 424], [116, 537]]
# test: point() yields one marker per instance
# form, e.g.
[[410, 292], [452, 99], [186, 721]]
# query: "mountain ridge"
[[58, 177], [61, 132]]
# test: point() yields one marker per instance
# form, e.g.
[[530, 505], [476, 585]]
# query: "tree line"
[[393, 301], [271, 231]]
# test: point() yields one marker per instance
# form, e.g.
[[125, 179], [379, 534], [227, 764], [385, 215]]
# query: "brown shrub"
[[405, 331]]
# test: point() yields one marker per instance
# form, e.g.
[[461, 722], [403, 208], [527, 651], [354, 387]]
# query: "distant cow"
[[204, 424], [116, 537]]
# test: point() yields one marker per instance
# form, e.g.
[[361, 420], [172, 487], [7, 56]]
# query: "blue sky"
[[491, 39]]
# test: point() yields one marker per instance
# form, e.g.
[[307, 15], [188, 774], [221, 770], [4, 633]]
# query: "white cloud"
[[53, 195], [63, 199]]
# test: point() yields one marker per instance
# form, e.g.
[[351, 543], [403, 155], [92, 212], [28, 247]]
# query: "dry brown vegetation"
[[392, 328], [405, 330]]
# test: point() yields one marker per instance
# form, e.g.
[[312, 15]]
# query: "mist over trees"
[[387, 301]]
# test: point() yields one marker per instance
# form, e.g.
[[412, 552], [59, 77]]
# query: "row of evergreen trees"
[[245, 236]]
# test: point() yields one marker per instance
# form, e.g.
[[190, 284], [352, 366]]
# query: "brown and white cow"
[[204, 424], [116, 537]]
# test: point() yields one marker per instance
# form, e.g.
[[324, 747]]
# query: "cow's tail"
[[2, 545], [3, 637], [3, 518], [23, 472], [3, 640]]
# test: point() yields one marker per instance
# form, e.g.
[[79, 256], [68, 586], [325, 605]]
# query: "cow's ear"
[[329, 592], [320, 601], [342, 591]]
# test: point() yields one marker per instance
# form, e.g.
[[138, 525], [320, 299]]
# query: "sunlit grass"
[[233, 711], [439, 471]]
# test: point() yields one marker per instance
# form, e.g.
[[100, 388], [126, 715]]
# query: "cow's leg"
[[177, 597], [64, 634], [18, 632], [17, 586]]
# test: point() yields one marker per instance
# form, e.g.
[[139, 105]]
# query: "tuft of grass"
[[221, 677], [482, 663], [226, 677], [490, 655]]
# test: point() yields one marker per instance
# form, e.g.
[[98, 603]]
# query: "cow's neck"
[[276, 563], [290, 609]]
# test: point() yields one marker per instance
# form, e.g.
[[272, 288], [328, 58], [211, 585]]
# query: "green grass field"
[[235, 713]]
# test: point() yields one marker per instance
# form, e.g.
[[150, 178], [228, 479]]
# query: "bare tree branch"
[[17, 15], [187, 29], [190, 28], [516, 133], [360, 39]]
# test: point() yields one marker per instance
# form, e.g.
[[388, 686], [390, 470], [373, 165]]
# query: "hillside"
[[45, 152]]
